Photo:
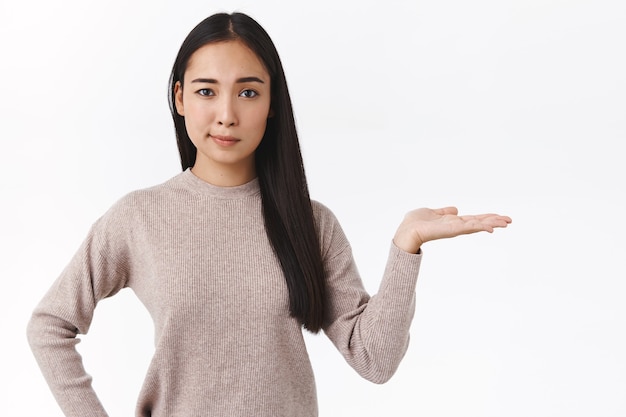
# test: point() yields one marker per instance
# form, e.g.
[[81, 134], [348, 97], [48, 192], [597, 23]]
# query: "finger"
[[447, 210], [483, 222], [498, 221], [485, 216], [501, 223]]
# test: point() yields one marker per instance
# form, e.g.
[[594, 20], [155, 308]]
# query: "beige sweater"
[[198, 258]]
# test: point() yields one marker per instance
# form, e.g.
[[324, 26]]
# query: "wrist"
[[407, 245]]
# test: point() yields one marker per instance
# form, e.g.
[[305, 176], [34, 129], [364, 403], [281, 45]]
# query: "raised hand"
[[422, 225]]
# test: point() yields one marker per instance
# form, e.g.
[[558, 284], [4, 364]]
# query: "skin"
[[226, 101], [423, 225]]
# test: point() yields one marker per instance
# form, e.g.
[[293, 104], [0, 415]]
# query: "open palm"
[[424, 224]]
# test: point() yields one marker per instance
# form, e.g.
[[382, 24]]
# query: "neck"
[[224, 175]]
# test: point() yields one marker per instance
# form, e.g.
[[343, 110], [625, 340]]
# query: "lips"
[[224, 140]]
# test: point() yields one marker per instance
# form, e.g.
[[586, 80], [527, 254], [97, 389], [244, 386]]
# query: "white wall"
[[516, 107]]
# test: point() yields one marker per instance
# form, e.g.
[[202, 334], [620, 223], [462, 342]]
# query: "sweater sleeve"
[[371, 332], [96, 271]]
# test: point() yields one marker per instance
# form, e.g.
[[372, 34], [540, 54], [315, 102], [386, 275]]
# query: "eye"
[[205, 92], [248, 93]]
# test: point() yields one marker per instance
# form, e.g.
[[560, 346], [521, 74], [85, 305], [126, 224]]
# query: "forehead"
[[226, 58]]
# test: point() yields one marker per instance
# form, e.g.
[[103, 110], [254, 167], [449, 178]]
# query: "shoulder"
[[331, 235], [321, 211], [140, 202], [325, 219], [173, 187]]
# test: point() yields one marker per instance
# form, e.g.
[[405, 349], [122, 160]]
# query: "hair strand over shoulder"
[[287, 211]]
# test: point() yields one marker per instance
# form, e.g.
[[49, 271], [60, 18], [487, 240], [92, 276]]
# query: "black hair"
[[287, 211]]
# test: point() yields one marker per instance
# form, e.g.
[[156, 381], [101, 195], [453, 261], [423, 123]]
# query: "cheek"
[[194, 121], [259, 128], [258, 120]]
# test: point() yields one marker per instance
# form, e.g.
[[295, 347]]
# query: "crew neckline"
[[202, 187]]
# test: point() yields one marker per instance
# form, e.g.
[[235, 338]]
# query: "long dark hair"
[[287, 210]]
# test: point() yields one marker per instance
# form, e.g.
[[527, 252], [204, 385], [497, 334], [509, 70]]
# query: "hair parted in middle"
[[287, 211]]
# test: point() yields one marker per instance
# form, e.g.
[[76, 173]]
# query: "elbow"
[[45, 331], [381, 377], [380, 373], [383, 361], [31, 331], [379, 368], [34, 332]]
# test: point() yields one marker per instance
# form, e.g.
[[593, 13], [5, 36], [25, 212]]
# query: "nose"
[[226, 114]]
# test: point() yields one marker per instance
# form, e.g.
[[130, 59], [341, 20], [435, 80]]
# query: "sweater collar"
[[204, 188]]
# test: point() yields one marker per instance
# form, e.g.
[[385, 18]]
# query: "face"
[[225, 101]]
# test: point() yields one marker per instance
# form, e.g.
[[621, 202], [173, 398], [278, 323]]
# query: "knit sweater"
[[199, 259]]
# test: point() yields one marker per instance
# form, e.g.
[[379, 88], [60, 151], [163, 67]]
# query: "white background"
[[516, 107]]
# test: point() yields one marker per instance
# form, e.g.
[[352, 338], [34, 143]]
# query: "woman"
[[231, 257]]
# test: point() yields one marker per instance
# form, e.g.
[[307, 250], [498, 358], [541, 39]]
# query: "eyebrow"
[[238, 81]]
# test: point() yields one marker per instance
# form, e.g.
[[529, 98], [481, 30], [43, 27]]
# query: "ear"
[[271, 113], [178, 98]]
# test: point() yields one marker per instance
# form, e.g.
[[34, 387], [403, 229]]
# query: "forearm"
[[374, 336], [53, 342]]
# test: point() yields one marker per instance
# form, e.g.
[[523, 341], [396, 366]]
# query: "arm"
[[66, 311], [372, 333]]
